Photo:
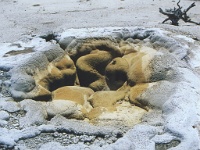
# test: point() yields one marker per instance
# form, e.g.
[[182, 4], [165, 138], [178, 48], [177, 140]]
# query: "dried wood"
[[176, 14]]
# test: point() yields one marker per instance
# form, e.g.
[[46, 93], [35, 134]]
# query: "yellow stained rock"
[[106, 98], [73, 93], [136, 91], [95, 112], [59, 73], [116, 73], [91, 69], [43, 94], [139, 70], [124, 114]]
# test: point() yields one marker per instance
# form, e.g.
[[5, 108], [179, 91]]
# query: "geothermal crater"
[[112, 82], [100, 78]]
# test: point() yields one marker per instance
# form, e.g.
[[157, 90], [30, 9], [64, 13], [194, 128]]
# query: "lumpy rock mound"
[[110, 88]]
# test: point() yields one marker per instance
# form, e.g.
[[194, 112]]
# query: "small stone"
[[16, 125], [3, 123], [87, 143], [75, 140], [4, 115], [56, 134], [66, 141]]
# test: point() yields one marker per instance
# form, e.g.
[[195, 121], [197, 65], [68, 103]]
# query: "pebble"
[[16, 125], [56, 134], [4, 115], [75, 140], [3, 123]]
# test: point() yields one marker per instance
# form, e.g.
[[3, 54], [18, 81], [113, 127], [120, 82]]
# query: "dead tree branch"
[[179, 5], [174, 15]]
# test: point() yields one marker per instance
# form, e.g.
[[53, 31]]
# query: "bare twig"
[[192, 5], [179, 5], [197, 23]]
